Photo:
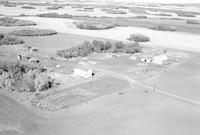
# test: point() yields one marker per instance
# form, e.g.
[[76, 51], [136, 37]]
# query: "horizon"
[[125, 1], [161, 1]]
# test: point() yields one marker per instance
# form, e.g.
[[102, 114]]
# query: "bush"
[[163, 14], [43, 82], [97, 46], [28, 7], [184, 14], [173, 18], [193, 21], [15, 22], [9, 40], [138, 38], [33, 32], [4, 76], [55, 15], [21, 77], [28, 81], [93, 25], [88, 9], [76, 5], [140, 17], [138, 11], [55, 7], [22, 15], [164, 28], [9, 5], [113, 11]]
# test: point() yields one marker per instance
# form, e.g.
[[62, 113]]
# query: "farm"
[[99, 68]]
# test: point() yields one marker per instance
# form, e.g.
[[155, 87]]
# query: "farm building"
[[22, 57], [111, 55], [133, 57], [33, 49], [146, 59], [26, 48], [30, 49], [33, 60], [83, 72], [19, 57], [160, 59]]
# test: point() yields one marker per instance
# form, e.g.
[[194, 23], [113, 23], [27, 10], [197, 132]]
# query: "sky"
[[162, 1]]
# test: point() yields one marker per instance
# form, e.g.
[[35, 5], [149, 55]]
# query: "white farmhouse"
[[83, 72], [160, 59]]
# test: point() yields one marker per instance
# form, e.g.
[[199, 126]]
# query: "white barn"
[[160, 59], [85, 73]]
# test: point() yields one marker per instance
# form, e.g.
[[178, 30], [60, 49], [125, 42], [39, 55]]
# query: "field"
[[95, 68]]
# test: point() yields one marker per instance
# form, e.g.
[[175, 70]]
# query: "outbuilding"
[[19, 57], [160, 59], [33, 60], [33, 49], [30, 49], [146, 59], [83, 72], [133, 57]]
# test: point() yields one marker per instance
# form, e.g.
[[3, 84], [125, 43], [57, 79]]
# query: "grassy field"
[[50, 44], [130, 97], [183, 73], [15, 118]]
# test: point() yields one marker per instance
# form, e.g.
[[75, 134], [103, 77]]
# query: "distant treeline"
[[15, 22], [93, 25], [55, 15], [164, 28], [192, 21], [28, 7], [55, 7]]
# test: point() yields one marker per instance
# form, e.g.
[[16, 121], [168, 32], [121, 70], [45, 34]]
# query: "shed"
[[146, 59], [83, 72], [30, 49], [133, 57], [111, 55], [160, 59], [33, 49], [26, 48], [19, 57], [33, 60]]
